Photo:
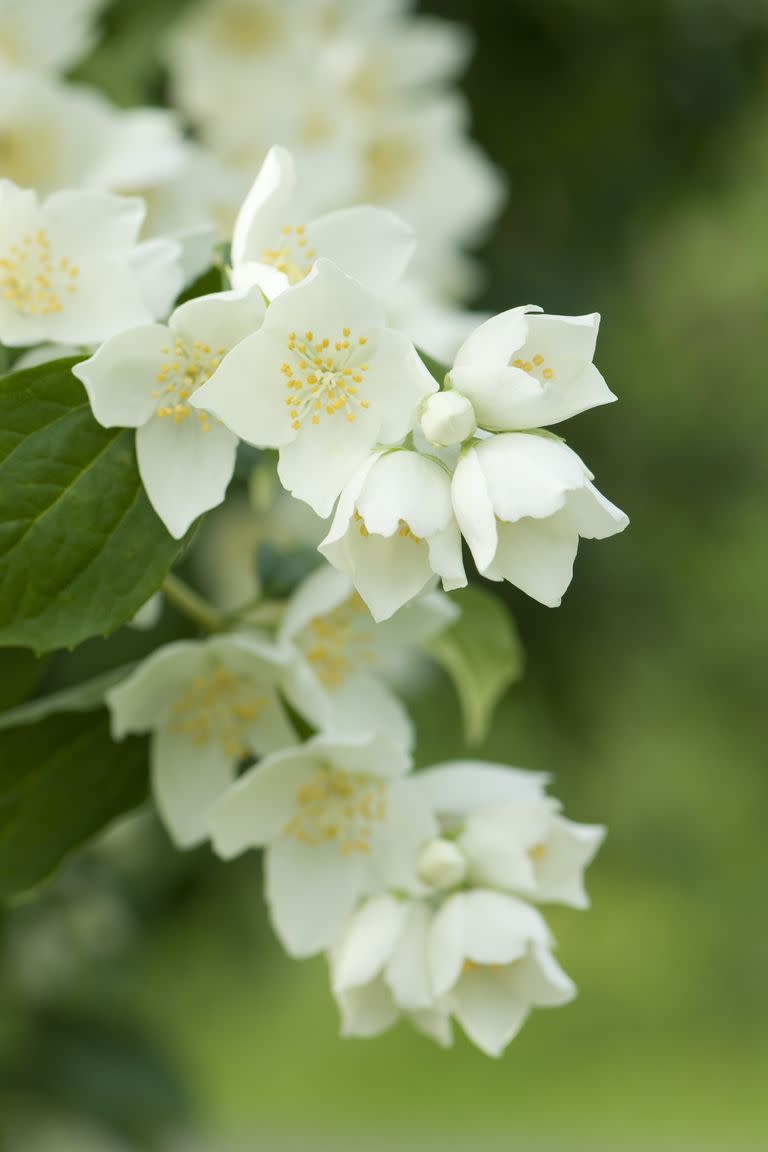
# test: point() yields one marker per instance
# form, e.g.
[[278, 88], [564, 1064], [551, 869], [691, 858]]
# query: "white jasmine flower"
[[337, 820], [483, 957], [71, 270], [505, 833], [209, 705], [275, 247], [323, 381], [448, 418], [522, 501], [145, 378], [394, 530], [47, 35], [338, 677], [524, 369], [490, 962], [380, 970]]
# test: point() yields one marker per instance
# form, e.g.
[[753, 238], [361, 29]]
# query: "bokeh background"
[[635, 140]]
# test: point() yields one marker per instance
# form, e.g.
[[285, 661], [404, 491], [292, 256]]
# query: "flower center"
[[292, 257], [31, 281], [535, 367], [220, 707], [403, 529], [324, 378], [184, 369], [338, 643], [337, 806]]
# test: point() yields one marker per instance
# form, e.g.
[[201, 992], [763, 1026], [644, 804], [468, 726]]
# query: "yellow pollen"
[[31, 282], [534, 367], [336, 806], [192, 365], [218, 706], [405, 532], [321, 380], [291, 256]]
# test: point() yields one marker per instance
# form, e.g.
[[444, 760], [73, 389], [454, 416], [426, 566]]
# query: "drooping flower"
[[72, 271], [323, 380], [524, 369], [338, 678], [209, 705], [47, 35], [275, 246], [522, 501], [144, 378], [394, 530], [338, 819], [504, 832]]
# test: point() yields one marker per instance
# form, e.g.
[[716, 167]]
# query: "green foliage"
[[281, 570], [61, 780], [82, 547], [20, 670], [482, 654]]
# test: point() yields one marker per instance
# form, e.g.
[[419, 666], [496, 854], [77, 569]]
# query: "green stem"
[[191, 604]]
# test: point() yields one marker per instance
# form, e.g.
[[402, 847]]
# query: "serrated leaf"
[[482, 654], [80, 698], [82, 549], [61, 781]]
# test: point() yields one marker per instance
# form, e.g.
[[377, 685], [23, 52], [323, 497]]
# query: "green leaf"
[[212, 280], [438, 369], [280, 571], [482, 654], [82, 547], [81, 698], [20, 671], [61, 781]]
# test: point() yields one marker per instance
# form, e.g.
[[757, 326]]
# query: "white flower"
[[145, 378], [522, 501], [394, 530], [448, 418], [71, 270], [275, 247], [337, 820], [483, 957], [323, 381], [338, 677], [47, 35], [209, 705], [506, 833], [524, 369]]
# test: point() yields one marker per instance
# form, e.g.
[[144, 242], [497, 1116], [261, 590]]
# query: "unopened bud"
[[448, 418], [441, 864]]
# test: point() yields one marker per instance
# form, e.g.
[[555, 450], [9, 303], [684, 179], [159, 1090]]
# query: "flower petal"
[[323, 457], [397, 381], [266, 208], [529, 475], [221, 319], [312, 890], [405, 486], [255, 810], [367, 1010], [407, 972], [594, 516], [371, 244], [537, 556], [493, 343], [325, 303], [145, 699], [122, 375], [488, 1013], [473, 508], [367, 942], [559, 867], [186, 780]]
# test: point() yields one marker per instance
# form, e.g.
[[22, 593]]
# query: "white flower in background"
[[380, 970], [338, 819], [339, 677], [394, 530], [47, 35], [209, 705], [522, 501], [275, 246], [482, 957], [436, 326], [323, 381], [506, 833], [524, 369], [145, 378], [72, 271]]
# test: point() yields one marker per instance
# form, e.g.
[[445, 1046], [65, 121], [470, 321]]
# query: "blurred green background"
[[635, 137]]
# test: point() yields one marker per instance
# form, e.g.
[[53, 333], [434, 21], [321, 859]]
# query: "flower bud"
[[447, 418], [441, 864]]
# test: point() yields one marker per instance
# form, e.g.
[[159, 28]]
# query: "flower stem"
[[191, 604]]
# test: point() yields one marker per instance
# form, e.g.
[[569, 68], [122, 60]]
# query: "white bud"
[[448, 418], [441, 864]]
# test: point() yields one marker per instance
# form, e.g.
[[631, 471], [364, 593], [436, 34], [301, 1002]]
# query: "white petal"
[[407, 972], [387, 571], [364, 704], [368, 1010], [594, 516], [398, 840], [321, 592], [446, 559], [372, 754], [529, 475], [157, 265], [498, 927], [458, 787], [537, 556], [311, 890], [267, 207], [256, 809], [496, 842], [325, 303], [495, 341], [185, 468], [323, 457], [368, 941], [473, 508], [146, 698], [221, 319], [559, 868], [405, 486], [371, 244], [396, 382], [122, 375], [445, 945], [83, 219], [488, 1013], [538, 979], [186, 780]]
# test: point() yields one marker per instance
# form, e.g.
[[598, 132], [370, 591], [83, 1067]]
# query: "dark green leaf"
[[211, 280], [81, 546], [82, 697], [20, 671], [61, 781]]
